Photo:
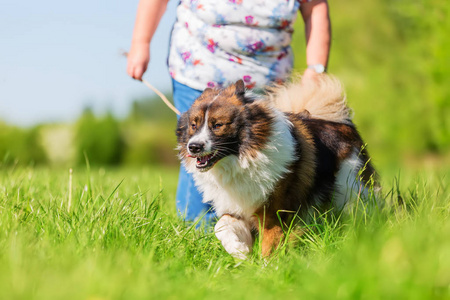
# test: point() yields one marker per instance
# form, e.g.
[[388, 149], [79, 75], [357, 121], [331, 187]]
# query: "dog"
[[261, 160]]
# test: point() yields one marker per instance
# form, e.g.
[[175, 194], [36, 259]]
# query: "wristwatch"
[[318, 68]]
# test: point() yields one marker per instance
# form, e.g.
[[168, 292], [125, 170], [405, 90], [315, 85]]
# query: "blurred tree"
[[424, 25], [393, 58], [150, 133], [99, 138], [21, 146]]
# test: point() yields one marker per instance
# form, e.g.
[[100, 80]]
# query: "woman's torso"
[[218, 42]]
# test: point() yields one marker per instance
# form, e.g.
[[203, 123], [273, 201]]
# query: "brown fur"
[[291, 195], [322, 130], [260, 116]]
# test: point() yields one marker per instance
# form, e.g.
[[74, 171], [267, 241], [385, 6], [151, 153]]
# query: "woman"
[[215, 43]]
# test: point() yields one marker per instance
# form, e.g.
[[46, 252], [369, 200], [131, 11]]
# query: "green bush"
[[149, 134], [392, 57], [20, 146], [99, 139]]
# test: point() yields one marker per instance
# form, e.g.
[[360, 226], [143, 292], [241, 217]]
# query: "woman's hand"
[[138, 59], [148, 15]]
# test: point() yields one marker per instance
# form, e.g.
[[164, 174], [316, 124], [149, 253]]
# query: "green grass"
[[121, 239]]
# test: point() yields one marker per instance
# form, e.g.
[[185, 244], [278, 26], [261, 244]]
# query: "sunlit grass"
[[121, 238]]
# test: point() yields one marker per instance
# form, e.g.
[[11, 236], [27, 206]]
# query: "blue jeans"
[[189, 199]]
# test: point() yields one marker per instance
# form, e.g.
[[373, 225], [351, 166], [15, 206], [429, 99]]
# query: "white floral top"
[[215, 43]]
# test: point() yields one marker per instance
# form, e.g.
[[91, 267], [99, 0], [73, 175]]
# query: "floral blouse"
[[215, 43]]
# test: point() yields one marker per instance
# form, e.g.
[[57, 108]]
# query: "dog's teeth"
[[204, 161]]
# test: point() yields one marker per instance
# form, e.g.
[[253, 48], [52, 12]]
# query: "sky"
[[57, 57]]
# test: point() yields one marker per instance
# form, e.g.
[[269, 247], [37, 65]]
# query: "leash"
[[161, 95]]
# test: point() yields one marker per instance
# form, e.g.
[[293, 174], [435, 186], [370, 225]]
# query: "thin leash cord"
[[161, 95]]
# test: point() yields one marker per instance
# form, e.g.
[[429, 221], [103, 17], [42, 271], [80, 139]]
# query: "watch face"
[[319, 68]]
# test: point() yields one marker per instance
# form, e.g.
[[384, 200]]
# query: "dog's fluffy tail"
[[321, 97]]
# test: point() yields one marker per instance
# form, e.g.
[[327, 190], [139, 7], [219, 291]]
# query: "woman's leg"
[[189, 200]]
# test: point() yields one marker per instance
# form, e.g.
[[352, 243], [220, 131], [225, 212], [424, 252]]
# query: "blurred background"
[[64, 91]]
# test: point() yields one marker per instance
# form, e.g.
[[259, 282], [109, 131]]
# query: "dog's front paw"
[[235, 236]]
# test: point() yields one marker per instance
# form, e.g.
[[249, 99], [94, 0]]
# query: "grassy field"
[[120, 239], [119, 236]]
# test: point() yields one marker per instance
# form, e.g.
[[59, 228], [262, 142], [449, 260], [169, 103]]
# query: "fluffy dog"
[[261, 160]]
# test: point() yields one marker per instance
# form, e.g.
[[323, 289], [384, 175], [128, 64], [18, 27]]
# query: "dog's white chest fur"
[[240, 185]]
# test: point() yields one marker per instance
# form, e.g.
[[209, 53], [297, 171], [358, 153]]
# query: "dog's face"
[[219, 124], [210, 129]]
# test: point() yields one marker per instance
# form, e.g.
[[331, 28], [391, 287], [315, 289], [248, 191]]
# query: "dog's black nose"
[[196, 147]]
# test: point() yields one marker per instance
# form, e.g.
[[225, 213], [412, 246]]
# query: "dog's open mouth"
[[207, 161]]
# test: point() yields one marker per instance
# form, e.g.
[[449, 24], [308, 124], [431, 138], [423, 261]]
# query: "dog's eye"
[[193, 126], [217, 125]]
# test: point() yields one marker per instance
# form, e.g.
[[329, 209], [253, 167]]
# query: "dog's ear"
[[182, 126], [240, 88], [240, 92]]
